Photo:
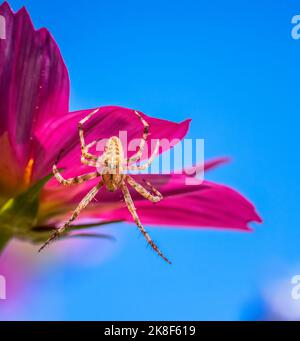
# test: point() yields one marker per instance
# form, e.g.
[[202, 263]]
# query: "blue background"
[[231, 66]]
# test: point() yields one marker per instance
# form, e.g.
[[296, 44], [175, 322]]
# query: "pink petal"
[[209, 165], [205, 205], [56, 198], [62, 134], [209, 205], [34, 82]]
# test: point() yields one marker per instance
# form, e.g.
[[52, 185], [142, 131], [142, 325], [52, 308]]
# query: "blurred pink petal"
[[34, 86]]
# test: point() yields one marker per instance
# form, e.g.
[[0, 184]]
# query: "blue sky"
[[231, 66]]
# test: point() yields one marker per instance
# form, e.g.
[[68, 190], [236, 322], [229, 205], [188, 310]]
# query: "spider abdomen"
[[113, 160]]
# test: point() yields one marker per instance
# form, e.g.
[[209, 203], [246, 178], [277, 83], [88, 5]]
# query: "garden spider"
[[112, 176]]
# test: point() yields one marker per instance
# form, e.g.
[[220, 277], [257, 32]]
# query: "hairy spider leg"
[[84, 148], [138, 155], [142, 191], [83, 203], [130, 205], [76, 180], [72, 181]]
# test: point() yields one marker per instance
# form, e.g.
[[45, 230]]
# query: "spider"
[[112, 175]]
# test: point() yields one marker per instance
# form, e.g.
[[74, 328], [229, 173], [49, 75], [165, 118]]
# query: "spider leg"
[[76, 180], [138, 155], [91, 163], [94, 160], [132, 210], [84, 148], [142, 191], [146, 164], [84, 202]]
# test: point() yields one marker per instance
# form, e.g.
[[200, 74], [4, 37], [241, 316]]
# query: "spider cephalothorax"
[[113, 175]]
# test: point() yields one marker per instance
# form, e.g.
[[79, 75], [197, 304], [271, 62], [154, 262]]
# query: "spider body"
[[113, 176], [113, 161]]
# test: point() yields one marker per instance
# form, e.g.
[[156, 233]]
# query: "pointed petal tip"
[[24, 14], [186, 123], [255, 218], [6, 6], [258, 218], [213, 163], [23, 10], [43, 30], [225, 159], [21, 13], [6, 10]]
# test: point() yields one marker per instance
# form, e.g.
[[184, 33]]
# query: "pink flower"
[[35, 125]]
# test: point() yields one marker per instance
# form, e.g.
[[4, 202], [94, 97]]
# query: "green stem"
[[4, 239]]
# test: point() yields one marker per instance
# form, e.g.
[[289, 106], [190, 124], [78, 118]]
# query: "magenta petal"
[[205, 205], [63, 135], [209, 205], [209, 165], [34, 82], [172, 183]]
